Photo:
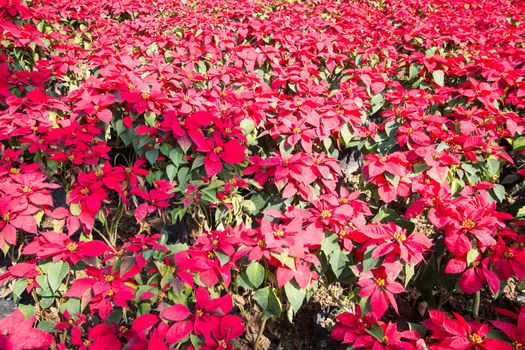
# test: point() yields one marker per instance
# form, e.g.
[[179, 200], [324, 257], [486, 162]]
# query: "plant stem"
[[475, 305], [105, 239], [259, 335]]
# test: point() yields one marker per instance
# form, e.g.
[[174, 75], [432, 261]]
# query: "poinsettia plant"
[[184, 174]]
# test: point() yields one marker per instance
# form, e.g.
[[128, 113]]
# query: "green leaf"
[[338, 261], [171, 171], [46, 325], [377, 102], [176, 155], [376, 331], [72, 306], [268, 301], [469, 168], [197, 162], [166, 148], [182, 177], [391, 128], [519, 144], [255, 273], [27, 310], [151, 155], [439, 77], [393, 179], [472, 255], [47, 302], [295, 295], [417, 327], [493, 166], [413, 71], [329, 243], [368, 261], [223, 258], [19, 285], [499, 192], [56, 272], [285, 259], [409, 273], [150, 118], [345, 133], [248, 125]]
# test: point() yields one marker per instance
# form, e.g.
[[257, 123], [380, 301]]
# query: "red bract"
[[97, 105], [61, 247], [514, 331], [101, 289], [235, 130], [231, 152], [17, 333], [379, 286], [459, 334], [15, 217], [473, 278], [392, 241], [220, 332]]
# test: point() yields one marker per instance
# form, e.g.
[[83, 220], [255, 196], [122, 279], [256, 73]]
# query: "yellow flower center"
[[110, 293], [6, 216], [26, 189], [468, 224], [400, 236], [325, 214], [380, 282], [211, 255], [14, 170], [109, 278], [509, 254], [99, 173], [199, 313], [72, 246], [278, 233], [84, 191], [296, 130], [475, 339], [145, 95], [217, 149], [261, 243], [517, 345], [96, 108]]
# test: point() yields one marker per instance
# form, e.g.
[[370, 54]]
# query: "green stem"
[[105, 239], [475, 305]]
